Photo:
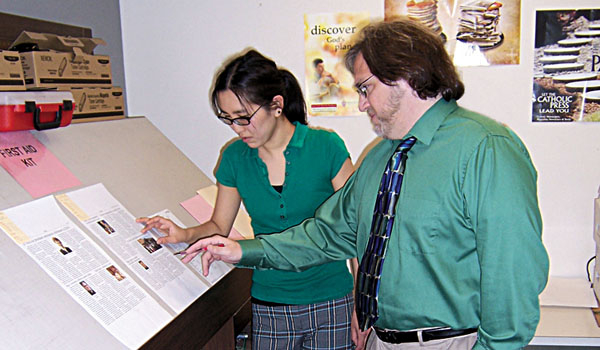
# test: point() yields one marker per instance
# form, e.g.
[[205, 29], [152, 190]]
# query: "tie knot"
[[406, 144]]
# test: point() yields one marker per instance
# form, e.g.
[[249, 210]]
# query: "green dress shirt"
[[313, 158], [465, 250]]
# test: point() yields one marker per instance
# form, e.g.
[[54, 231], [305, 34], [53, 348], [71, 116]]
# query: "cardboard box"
[[11, 72], [45, 69], [40, 110], [98, 103], [52, 61]]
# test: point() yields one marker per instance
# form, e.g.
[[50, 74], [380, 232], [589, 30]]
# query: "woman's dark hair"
[[405, 49], [253, 78]]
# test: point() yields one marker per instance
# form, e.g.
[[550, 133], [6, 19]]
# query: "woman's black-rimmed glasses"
[[239, 120]]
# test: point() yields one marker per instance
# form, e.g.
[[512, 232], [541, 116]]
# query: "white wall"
[[172, 49]]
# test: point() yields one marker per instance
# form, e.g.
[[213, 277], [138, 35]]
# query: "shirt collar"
[[430, 122], [297, 139], [299, 135]]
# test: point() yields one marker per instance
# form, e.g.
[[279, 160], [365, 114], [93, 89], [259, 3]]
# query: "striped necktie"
[[367, 284]]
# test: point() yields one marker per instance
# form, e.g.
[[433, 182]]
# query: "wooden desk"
[[213, 320]]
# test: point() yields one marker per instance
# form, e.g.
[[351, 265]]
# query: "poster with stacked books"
[[566, 69], [475, 32], [329, 85]]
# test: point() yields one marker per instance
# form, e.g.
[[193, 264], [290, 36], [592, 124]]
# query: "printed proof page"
[[88, 274], [154, 264], [218, 269]]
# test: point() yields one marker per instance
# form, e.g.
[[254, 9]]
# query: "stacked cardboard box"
[[11, 73], [57, 62], [95, 103]]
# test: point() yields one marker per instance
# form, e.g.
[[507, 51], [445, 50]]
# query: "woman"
[[282, 170]]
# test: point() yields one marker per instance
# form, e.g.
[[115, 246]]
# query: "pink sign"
[[198, 207], [32, 165]]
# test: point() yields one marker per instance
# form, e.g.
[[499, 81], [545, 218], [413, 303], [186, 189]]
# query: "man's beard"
[[388, 114]]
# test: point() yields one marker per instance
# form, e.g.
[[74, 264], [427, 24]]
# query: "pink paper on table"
[[32, 165], [201, 210]]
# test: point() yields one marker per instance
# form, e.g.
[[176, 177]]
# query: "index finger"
[[149, 223], [201, 244]]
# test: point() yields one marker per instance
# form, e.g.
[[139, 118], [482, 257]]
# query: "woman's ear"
[[278, 102], [277, 105]]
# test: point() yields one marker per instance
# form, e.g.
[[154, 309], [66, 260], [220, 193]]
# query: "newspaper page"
[[566, 76], [99, 284], [154, 264], [218, 269], [329, 85]]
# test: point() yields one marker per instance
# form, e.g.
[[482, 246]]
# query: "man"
[[464, 263]]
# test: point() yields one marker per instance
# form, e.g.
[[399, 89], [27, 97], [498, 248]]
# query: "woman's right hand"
[[172, 232]]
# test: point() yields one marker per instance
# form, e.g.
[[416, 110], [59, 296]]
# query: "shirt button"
[[281, 206], [288, 163], [287, 152], [286, 173], [282, 217]]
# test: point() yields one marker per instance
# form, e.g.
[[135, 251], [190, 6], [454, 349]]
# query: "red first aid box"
[[40, 110]]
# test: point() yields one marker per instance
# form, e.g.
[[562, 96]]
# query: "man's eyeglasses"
[[239, 120], [361, 88]]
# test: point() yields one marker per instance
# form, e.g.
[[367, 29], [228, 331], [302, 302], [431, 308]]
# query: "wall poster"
[[566, 71], [476, 32], [329, 85]]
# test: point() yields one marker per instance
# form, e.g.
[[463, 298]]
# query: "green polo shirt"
[[313, 159], [465, 250]]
